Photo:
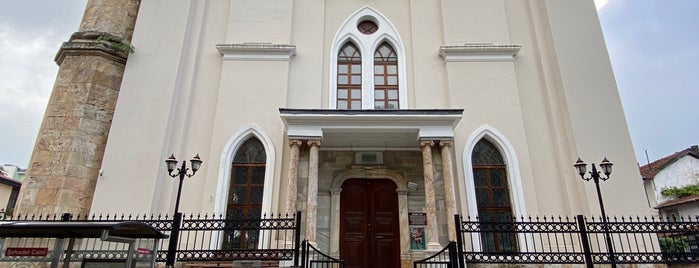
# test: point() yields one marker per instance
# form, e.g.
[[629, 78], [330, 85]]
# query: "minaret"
[[67, 156]]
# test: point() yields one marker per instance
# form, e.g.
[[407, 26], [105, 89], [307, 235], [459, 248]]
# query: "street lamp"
[[181, 172], [596, 176]]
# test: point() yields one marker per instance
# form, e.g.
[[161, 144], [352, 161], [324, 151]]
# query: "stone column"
[[430, 203], [335, 222], [449, 197], [403, 223], [292, 177], [63, 170], [312, 193]]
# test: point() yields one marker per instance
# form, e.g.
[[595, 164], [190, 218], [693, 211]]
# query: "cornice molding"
[[89, 44], [479, 52], [256, 52]]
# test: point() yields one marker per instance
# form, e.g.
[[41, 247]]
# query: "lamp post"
[[181, 172], [595, 176]]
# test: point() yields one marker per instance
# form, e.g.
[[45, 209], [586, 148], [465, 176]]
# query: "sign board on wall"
[[417, 222], [26, 252]]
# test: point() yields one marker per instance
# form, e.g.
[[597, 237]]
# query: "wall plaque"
[[417, 218]]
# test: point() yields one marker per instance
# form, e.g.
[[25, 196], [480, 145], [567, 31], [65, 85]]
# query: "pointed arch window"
[[493, 197], [245, 192], [349, 78], [369, 41], [385, 77]]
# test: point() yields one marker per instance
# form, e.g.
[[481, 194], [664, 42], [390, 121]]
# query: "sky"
[[653, 46]]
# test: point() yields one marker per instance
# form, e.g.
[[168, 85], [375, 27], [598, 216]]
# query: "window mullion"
[[367, 80]]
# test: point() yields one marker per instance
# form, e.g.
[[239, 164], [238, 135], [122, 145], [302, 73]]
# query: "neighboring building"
[[9, 189], [15, 172], [353, 112], [10, 184], [677, 170]]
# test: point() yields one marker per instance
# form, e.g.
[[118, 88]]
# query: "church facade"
[[378, 120]]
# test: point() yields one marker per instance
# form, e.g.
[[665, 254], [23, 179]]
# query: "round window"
[[367, 27]]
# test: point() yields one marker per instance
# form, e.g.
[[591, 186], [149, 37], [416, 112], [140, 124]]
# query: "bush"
[[681, 191], [672, 244]]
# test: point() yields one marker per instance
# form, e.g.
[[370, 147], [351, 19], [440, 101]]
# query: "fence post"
[[459, 241], [58, 247], [297, 238], [304, 253], [453, 259], [174, 237], [584, 240]]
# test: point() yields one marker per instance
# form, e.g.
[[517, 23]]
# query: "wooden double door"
[[369, 231]]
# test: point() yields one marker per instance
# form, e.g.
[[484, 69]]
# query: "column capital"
[[402, 192], [313, 143], [424, 143], [295, 142], [335, 191], [446, 143]]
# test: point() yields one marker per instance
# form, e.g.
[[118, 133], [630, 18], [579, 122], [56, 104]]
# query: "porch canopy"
[[36, 250], [128, 229], [386, 129]]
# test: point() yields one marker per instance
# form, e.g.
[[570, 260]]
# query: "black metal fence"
[[311, 257], [211, 238], [447, 257], [558, 240]]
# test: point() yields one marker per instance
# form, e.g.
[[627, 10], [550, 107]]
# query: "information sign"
[[26, 252]]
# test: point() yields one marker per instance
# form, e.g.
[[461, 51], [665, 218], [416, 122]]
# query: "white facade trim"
[[256, 52], [479, 52], [227, 155], [367, 44]]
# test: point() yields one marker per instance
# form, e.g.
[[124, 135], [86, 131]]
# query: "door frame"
[[360, 173]]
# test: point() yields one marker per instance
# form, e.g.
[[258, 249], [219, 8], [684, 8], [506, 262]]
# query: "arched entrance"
[[398, 189], [369, 223]]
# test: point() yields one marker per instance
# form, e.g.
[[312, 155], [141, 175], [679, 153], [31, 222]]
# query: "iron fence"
[[563, 240], [311, 257], [537, 240], [579, 240], [447, 257], [211, 238]]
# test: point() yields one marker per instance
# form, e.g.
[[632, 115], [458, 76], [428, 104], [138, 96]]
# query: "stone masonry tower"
[[67, 156]]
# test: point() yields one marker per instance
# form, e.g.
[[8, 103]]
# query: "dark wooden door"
[[369, 224]]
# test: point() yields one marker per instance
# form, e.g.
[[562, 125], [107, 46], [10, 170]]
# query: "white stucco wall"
[[179, 96], [682, 172]]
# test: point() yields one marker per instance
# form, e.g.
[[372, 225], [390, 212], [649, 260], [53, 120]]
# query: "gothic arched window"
[[368, 64], [492, 197], [385, 77], [245, 192], [349, 78]]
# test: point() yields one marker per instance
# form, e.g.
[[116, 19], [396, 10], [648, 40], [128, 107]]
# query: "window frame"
[[248, 239], [511, 160], [349, 86], [386, 87], [491, 240]]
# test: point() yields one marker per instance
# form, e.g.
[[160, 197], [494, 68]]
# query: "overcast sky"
[[653, 46]]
